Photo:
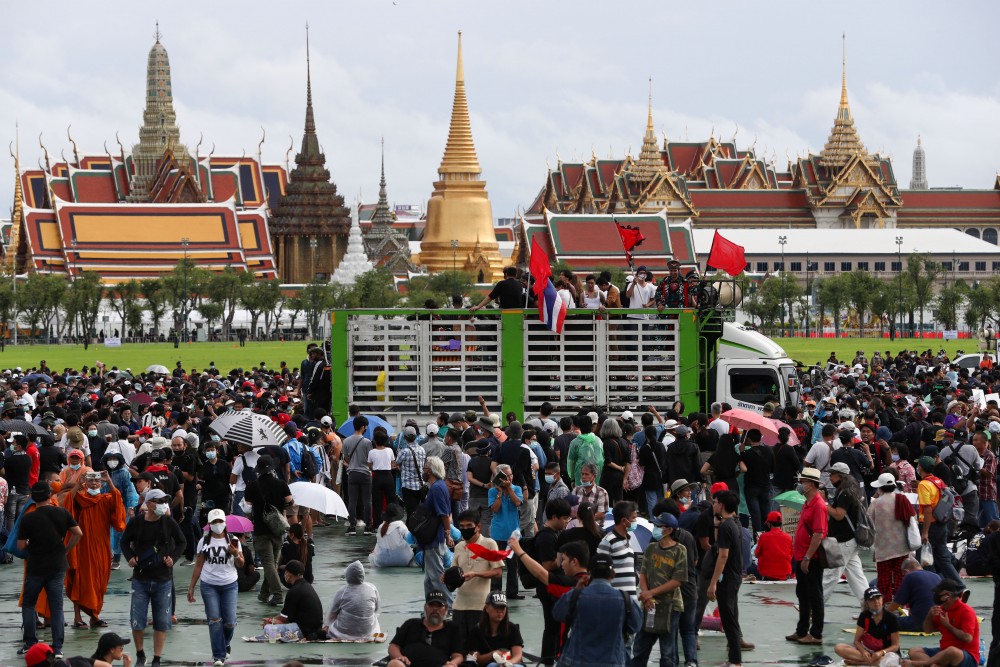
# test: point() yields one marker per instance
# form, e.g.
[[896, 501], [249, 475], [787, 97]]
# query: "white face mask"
[[112, 464], [218, 528], [94, 492], [161, 509]]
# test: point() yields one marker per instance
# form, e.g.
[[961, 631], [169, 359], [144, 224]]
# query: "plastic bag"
[[926, 557], [913, 534]]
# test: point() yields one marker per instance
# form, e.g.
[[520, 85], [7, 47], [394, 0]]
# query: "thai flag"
[[551, 309]]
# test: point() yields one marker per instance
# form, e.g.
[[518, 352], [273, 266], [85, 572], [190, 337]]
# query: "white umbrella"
[[159, 370], [248, 428], [639, 539], [318, 497]]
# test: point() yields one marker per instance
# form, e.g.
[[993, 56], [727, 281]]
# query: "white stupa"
[[355, 261]]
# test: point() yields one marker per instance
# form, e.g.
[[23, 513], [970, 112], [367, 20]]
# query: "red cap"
[[145, 430], [282, 399], [37, 655], [774, 517], [719, 486], [248, 385]]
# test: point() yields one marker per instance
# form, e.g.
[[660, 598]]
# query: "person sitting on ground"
[[41, 655], [430, 641], [496, 636], [391, 546], [111, 649], [301, 616], [977, 563], [876, 636], [914, 592], [353, 612], [247, 576], [959, 628], [774, 552]]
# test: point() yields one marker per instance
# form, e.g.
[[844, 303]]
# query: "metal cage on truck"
[[410, 362]]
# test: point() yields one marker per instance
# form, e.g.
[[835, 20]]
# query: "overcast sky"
[[542, 77]]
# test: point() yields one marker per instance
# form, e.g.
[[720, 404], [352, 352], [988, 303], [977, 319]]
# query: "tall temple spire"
[[382, 214], [386, 245], [844, 142], [919, 179], [650, 162], [459, 152], [159, 132], [310, 121]]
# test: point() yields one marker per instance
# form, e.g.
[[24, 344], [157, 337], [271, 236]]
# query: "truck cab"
[[751, 370]]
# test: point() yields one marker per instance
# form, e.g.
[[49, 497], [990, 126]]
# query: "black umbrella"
[[19, 426]]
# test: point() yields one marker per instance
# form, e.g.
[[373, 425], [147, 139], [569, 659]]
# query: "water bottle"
[[517, 536], [651, 618], [982, 651]]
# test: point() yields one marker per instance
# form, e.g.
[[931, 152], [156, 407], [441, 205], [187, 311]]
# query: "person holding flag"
[[551, 309]]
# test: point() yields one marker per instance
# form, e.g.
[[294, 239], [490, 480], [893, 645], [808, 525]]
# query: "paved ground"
[[766, 614]]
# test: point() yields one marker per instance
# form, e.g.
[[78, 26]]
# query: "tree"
[[8, 306], [226, 288], [124, 300], [833, 296], [156, 301], [861, 287], [294, 305], [211, 311], [438, 287], [921, 272], [949, 303], [272, 316], [258, 297], [83, 300], [41, 298]]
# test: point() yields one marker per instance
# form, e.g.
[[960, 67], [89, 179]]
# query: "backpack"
[[571, 613], [864, 529], [528, 580], [957, 474], [945, 507], [307, 465], [423, 525], [636, 473], [249, 473]]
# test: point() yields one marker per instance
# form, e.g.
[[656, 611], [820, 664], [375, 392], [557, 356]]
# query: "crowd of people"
[[895, 455]]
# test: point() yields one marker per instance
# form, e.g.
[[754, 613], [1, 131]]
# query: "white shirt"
[[820, 453], [566, 297], [219, 567], [641, 295], [381, 459], [251, 460], [123, 447], [719, 425]]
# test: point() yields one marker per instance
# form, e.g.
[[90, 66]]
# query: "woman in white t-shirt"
[[219, 556], [380, 462], [391, 547]]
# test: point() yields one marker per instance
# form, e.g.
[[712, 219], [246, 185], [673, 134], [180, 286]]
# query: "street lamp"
[[899, 263], [184, 242], [313, 244], [454, 264], [808, 296], [782, 240]]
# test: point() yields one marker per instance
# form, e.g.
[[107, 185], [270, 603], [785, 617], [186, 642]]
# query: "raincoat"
[[391, 549], [353, 612]]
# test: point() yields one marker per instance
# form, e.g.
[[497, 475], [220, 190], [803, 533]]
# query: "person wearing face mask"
[[122, 446], [72, 474], [478, 572], [219, 557], [152, 544], [616, 544], [589, 492], [114, 464], [877, 633], [96, 444], [216, 493], [664, 570], [959, 628]]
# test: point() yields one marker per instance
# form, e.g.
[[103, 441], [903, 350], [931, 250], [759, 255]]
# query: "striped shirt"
[[621, 552]]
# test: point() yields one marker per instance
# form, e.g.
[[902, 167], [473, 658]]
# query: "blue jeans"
[[433, 569], [652, 497], [155, 592], [689, 631], [642, 646], [53, 585], [220, 610], [987, 512], [237, 499]]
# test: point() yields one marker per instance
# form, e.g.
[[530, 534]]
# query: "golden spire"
[[844, 142], [18, 211], [650, 162], [459, 152]]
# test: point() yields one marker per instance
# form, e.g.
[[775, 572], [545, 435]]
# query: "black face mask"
[[467, 533]]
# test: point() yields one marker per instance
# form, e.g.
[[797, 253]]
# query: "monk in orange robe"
[[70, 477], [90, 563]]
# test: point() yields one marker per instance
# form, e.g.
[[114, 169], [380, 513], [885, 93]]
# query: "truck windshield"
[[754, 385], [790, 378]]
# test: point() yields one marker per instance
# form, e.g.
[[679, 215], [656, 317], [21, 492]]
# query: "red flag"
[[539, 267], [726, 255], [631, 237], [479, 551]]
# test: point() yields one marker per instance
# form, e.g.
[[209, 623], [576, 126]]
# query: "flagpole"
[[527, 291], [631, 262]]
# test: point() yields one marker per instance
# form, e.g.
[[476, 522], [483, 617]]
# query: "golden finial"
[[843, 70], [291, 147], [157, 34], [460, 70], [76, 156], [260, 146]]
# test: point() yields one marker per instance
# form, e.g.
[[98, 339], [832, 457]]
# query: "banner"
[[112, 342]]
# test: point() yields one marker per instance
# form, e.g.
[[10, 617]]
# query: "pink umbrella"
[[237, 524], [748, 419]]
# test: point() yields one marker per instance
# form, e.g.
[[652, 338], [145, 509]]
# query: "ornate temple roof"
[[311, 204], [386, 244]]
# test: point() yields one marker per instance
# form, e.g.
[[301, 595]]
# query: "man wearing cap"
[[410, 461], [959, 628], [890, 513], [301, 617], [664, 571], [430, 641], [97, 513], [597, 617], [987, 484], [42, 533], [152, 544], [809, 534], [843, 514], [932, 531]]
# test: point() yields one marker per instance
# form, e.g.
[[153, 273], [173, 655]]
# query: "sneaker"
[[219, 663], [187, 562], [116, 565], [229, 649], [140, 659], [275, 600], [965, 595]]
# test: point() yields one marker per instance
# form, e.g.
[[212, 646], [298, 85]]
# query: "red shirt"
[[811, 520], [36, 461], [774, 554], [964, 618]]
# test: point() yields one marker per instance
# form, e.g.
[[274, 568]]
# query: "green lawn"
[[140, 355], [813, 350]]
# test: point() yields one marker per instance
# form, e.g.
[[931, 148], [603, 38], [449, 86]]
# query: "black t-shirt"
[[166, 481], [546, 544], [188, 463], [215, 486], [786, 466], [519, 460], [425, 648], [562, 449], [730, 537], [508, 293], [841, 529], [16, 468], [579, 534], [266, 490], [883, 630], [45, 529], [483, 643], [705, 527], [50, 459], [480, 467], [760, 464], [302, 606]]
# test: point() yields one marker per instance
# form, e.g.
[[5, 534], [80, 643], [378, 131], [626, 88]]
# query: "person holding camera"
[[504, 499], [152, 544]]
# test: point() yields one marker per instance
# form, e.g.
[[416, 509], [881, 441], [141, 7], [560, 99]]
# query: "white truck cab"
[[751, 369]]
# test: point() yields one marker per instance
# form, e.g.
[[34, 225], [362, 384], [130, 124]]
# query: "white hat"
[[885, 479], [627, 416], [593, 417], [326, 420], [432, 428], [670, 424], [116, 399], [216, 515], [994, 427], [179, 433]]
